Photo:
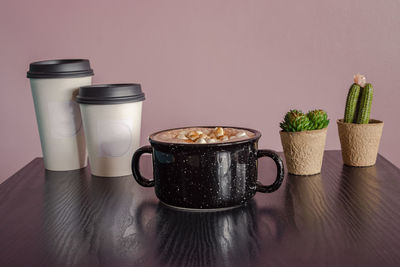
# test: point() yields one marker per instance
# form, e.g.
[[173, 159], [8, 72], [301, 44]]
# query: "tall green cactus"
[[350, 113], [359, 100], [365, 104]]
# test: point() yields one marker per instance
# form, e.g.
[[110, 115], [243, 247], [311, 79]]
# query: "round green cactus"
[[295, 121], [319, 119]]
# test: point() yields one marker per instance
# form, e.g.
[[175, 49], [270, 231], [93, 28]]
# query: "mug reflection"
[[206, 238]]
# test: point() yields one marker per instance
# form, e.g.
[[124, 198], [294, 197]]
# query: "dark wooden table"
[[342, 217]]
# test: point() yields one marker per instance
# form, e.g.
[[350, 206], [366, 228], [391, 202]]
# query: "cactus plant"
[[359, 100], [365, 104], [297, 121], [303, 140], [350, 113], [319, 119]]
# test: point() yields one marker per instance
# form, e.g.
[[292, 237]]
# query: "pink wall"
[[206, 62]]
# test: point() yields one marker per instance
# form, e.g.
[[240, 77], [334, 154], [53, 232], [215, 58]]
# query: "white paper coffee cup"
[[111, 115], [54, 84]]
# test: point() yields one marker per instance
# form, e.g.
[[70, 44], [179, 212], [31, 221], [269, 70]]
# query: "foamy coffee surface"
[[203, 135]]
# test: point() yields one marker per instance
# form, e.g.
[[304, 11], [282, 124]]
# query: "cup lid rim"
[[105, 94], [59, 68]]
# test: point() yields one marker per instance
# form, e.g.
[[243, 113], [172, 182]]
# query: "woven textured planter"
[[304, 151], [360, 142]]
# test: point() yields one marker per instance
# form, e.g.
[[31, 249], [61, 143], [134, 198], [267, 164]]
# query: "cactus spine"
[[350, 114], [365, 104]]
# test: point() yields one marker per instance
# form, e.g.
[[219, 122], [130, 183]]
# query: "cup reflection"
[[64, 196], [90, 219], [113, 203]]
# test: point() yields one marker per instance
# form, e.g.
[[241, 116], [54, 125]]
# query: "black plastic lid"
[[104, 94], [60, 68]]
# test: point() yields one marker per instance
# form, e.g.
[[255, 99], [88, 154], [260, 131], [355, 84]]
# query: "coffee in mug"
[[201, 135], [53, 84], [112, 115], [192, 172]]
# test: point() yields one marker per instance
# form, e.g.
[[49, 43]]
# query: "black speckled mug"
[[206, 176]]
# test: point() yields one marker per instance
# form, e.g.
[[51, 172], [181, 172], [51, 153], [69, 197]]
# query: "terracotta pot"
[[360, 142], [304, 151]]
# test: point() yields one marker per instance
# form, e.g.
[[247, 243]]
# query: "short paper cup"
[[111, 115]]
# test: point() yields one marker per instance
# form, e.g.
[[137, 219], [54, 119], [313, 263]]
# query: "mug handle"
[[279, 169], [135, 166]]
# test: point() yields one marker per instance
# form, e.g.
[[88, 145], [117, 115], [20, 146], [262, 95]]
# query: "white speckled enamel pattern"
[[206, 176]]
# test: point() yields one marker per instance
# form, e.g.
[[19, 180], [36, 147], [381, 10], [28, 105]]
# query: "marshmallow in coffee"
[[203, 135]]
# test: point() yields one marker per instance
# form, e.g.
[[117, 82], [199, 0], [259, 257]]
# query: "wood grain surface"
[[342, 217]]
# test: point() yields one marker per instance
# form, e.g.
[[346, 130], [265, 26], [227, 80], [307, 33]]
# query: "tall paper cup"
[[112, 115], [53, 84]]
